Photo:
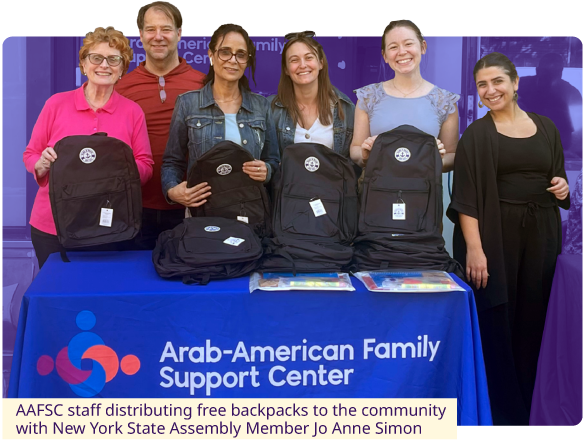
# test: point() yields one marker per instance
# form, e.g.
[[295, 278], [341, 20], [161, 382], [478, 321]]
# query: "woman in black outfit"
[[509, 181]]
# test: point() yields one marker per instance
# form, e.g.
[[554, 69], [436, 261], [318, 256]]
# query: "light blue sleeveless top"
[[232, 133], [427, 113]]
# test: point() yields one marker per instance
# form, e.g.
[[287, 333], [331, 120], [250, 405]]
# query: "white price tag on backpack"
[[318, 208], [399, 211], [106, 217], [234, 241], [243, 219]]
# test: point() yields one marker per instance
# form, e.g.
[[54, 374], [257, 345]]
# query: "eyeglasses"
[[97, 59], [161, 92], [227, 54], [294, 35]]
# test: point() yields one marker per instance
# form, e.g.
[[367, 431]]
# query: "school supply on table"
[[302, 281], [408, 281]]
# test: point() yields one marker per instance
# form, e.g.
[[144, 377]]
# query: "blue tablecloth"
[[107, 325]]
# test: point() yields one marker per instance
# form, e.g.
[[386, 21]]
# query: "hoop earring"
[[515, 96], [480, 104]]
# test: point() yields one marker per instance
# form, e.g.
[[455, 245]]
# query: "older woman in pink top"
[[94, 107]]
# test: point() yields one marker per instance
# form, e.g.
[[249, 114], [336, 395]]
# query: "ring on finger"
[[258, 169]]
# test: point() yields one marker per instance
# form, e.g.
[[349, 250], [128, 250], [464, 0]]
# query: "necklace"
[[93, 106], [228, 101], [409, 93]]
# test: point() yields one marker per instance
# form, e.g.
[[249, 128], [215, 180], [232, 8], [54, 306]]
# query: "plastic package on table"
[[302, 281], [408, 281]]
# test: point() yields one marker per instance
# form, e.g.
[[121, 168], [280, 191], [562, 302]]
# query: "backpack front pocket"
[[195, 240], [384, 192], [81, 208], [298, 217], [230, 204]]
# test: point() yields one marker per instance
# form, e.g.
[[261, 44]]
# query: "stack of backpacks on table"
[[318, 222]]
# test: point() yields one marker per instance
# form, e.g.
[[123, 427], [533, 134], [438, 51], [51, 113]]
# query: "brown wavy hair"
[[114, 39], [325, 94], [218, 37]]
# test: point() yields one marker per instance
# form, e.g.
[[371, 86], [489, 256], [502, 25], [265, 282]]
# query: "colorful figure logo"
[[87, 345]]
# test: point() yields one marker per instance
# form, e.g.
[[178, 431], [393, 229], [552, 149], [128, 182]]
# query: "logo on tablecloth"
[[87, 346]]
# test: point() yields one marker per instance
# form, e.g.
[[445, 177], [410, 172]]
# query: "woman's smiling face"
[[302, 64], [403, 50], [495, 87]]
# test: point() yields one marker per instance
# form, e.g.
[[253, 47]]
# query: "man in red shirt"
[[154, 85]]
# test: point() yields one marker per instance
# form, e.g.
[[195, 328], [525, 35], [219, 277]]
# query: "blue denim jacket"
[[198, 124], [342, 129]]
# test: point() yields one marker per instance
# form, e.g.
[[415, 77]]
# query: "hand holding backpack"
[[94, 189]]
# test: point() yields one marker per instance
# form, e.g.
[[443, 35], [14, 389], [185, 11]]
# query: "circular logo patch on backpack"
[[212, 229], [87, 155], [224, 169], [312, 164], [402, 154]]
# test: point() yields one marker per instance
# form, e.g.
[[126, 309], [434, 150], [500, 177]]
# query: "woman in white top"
[[406, 99], [308, 108]]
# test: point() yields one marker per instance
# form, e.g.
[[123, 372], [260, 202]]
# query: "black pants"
[[511, 333], [46, 244], [155, 222]]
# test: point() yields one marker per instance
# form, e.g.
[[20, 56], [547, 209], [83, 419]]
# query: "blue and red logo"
[[87, 346]]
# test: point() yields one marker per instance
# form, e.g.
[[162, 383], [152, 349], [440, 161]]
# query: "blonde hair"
[[111, 36]]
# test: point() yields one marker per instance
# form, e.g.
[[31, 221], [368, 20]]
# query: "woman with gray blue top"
[[307, 107], [406, 99]]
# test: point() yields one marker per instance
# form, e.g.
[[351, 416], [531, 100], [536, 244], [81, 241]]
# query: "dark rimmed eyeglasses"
[[294, 35], [225, 54], [161, 89], [97, 59]]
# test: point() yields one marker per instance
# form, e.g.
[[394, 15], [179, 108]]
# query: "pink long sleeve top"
[[68, 113]]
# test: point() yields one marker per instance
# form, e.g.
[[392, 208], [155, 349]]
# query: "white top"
[[232, 133], [318, 133]]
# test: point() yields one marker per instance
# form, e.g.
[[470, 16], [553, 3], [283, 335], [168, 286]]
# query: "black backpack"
[[207, 248], [402, 205], [233, 193], [304, 240], [93, 173], [404, 164]]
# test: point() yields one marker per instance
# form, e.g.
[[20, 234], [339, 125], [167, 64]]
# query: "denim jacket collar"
[[207, 99]]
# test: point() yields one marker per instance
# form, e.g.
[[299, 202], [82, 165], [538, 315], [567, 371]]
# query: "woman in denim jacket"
[[307, 107], [224, 109]]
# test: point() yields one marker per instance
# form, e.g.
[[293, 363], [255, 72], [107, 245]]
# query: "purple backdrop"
[[33, 68]]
